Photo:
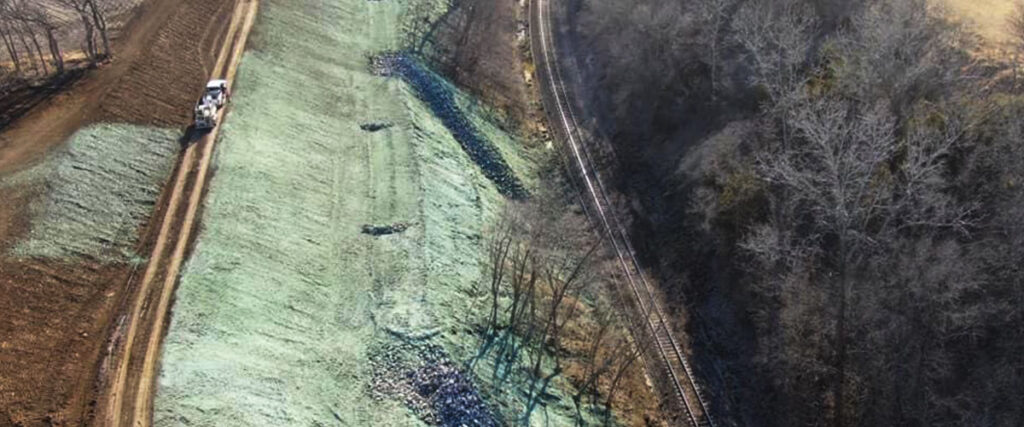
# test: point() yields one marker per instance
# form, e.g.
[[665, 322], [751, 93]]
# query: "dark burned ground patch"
[[431, 89], [429, 383]]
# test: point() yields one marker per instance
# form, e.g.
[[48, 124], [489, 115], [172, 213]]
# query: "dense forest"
[[830, 191]]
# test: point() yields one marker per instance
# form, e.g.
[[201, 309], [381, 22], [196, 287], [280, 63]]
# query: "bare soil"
[[57, 314], [22, 98], [482, 46]]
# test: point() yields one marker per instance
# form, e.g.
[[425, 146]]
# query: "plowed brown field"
[[57, 316]]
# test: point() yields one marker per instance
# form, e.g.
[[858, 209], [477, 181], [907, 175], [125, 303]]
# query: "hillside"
[[827, 192]]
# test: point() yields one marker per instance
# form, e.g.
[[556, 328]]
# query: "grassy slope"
[[100, 186], [284, 299]]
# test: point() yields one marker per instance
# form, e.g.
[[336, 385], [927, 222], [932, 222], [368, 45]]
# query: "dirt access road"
[[130, 395], [59, 312]]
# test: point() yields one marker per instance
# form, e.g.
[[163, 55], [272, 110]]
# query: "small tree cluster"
[[543, 268]]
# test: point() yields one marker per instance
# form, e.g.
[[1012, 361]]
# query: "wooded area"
[[833, 190], [549, 314]]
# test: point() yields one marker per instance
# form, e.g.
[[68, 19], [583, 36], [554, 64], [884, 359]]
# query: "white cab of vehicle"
[[217, 91]]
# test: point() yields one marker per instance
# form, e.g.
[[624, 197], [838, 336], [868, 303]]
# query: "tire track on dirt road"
[[656, 328], [176, 227]]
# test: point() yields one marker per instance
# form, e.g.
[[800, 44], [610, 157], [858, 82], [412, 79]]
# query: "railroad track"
[[653, 326], [129, 394]]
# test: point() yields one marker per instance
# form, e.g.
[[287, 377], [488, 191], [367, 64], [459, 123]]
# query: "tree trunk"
[[101, 24], [1013, 85], [11, 50], [838, 386], [39, 50], [28, 51], [55, 53], [90, 36]]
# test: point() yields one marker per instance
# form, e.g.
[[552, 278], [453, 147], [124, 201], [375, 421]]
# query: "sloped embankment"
[[286, 299], [64, 257], [439, 95], [100, 187]]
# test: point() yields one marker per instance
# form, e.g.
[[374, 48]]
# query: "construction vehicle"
[[215, 96], [205, 114]]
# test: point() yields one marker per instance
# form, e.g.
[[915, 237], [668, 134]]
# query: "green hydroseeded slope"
[[284, 298], [98, 188]]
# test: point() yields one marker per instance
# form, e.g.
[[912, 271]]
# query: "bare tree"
[[99, 19], [624, 356], [82, 10], [882, 234], [838, 173], [37, 15], [595, 366], [25, 46], [501, 241], [900, 51], [23, 20], [713, 15], [1015, 25], [565, 275], [7, 36], [540, 260], [523, 283], [778, 37], [35, 42]]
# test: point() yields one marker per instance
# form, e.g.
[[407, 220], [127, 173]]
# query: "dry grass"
[[635, 402], [987, 17]]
